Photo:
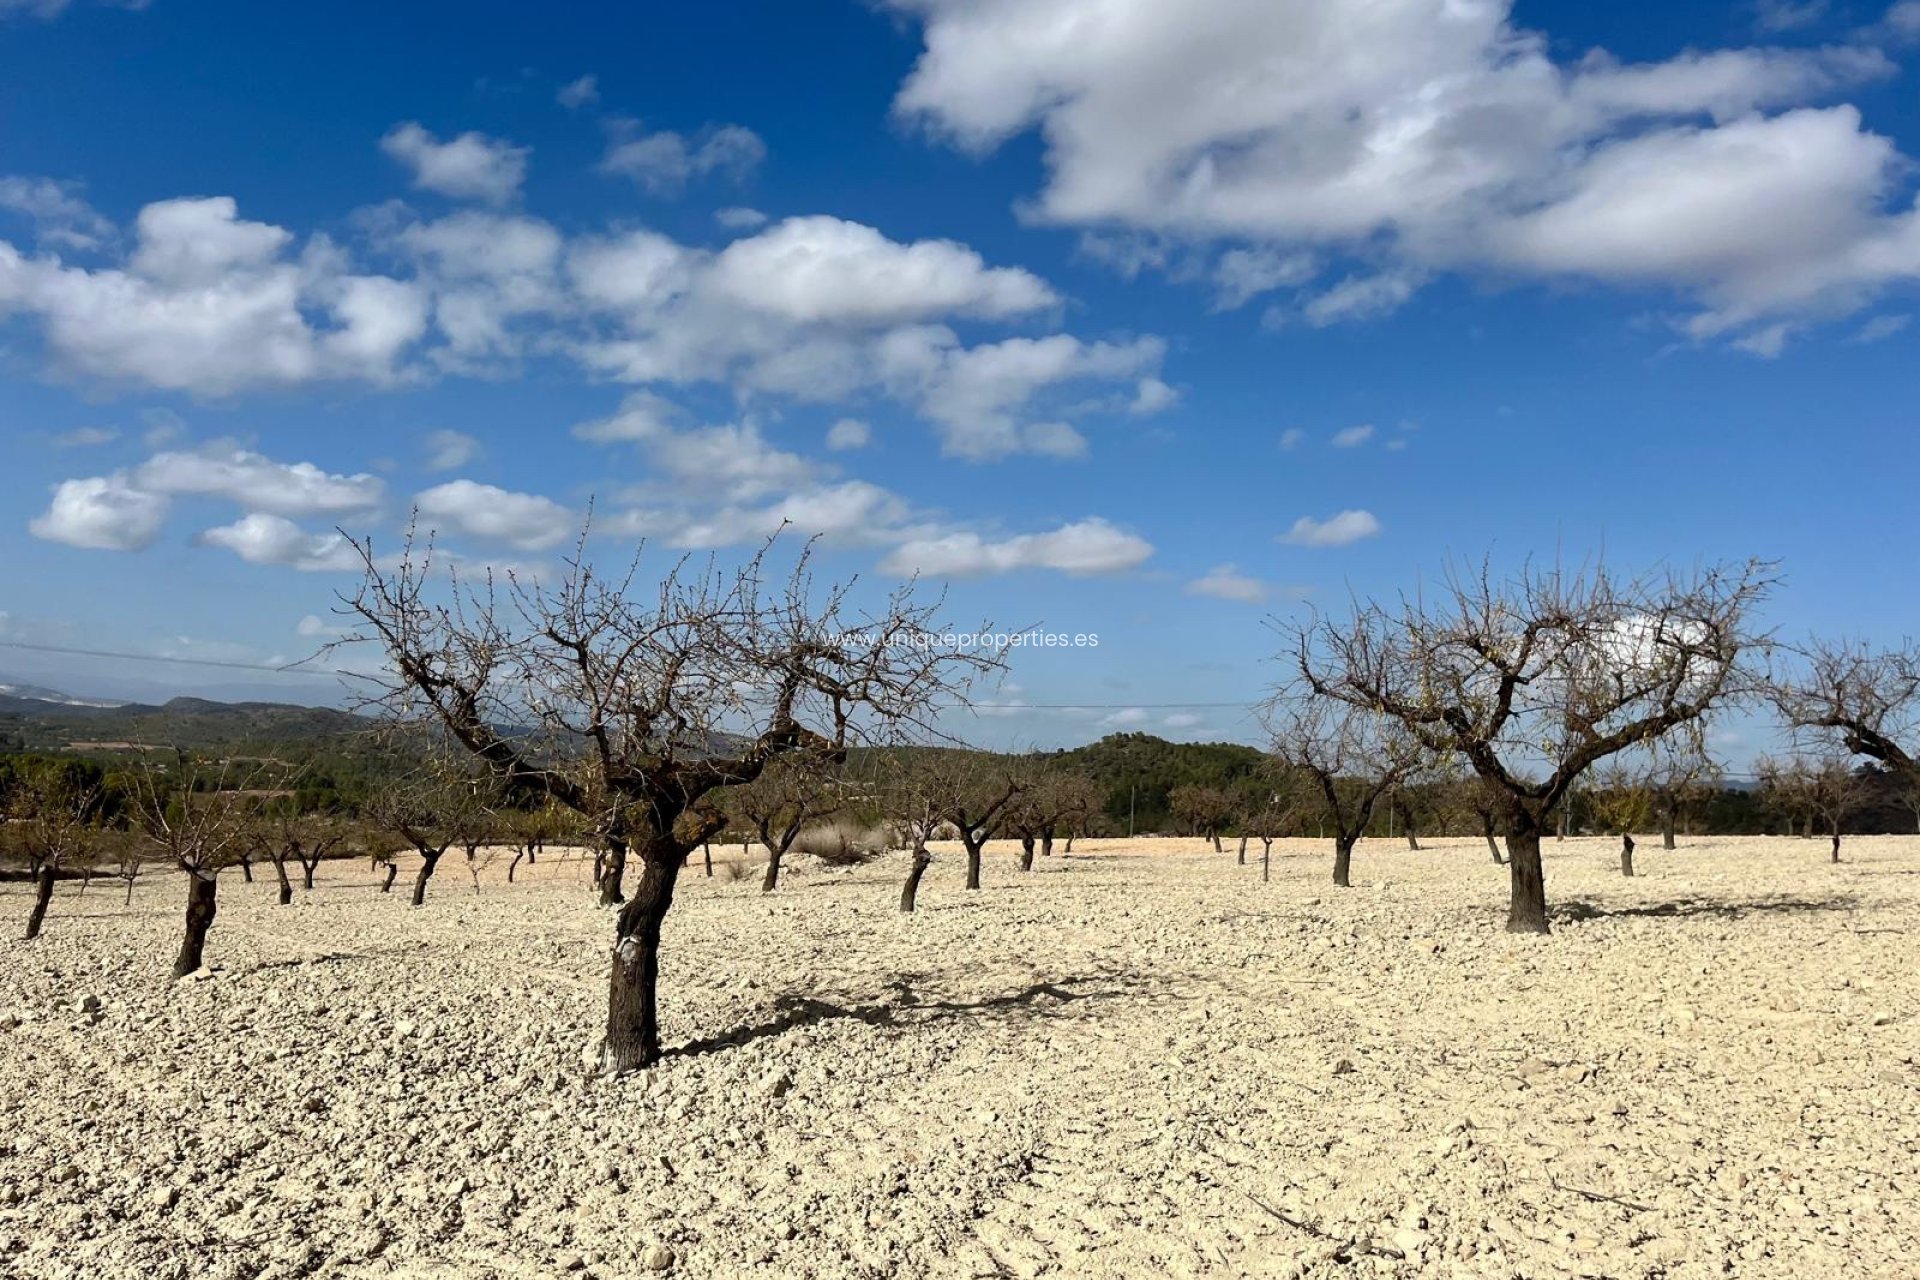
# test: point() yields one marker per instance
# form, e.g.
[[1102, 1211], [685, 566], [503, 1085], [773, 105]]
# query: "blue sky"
[[1150, 321]]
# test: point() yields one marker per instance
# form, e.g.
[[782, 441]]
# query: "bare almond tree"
[[198, 815], [1823, 786], [792, 793], [1849, 695], [635, 709], [1205, 810], [1352, 757], [1622, 800], [1681, 776], [1535, 680], [57, 822]]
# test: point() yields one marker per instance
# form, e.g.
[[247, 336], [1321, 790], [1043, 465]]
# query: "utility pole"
[[1131, 791]]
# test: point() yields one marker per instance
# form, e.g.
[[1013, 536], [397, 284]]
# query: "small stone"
[[569, 1261], [87, 1004], [776, 1084], [1410, 1241], [1343, 1066], [658, 1257], [163, 1198]]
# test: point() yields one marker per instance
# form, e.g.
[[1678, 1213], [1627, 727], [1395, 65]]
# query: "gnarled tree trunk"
[[1240, 859], [1046, 842], [201, 906], [428, 861], [1343, 861], [1626, 854], [771, 881], [910, 891], [1026, 852], [42, 896], [973, 848], [1667, 828], [1527, 906], [1493, 845], [633, 1023], [393, 872], [286, 885]]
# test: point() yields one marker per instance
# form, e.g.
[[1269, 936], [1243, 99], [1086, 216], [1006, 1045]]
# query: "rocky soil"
[[1139, 1060]]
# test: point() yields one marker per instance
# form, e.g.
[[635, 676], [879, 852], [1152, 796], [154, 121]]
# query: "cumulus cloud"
[[1085, 547], [817, 309], [450, 450], [526, 521], [469, 167], [257, 483], [1388, 140], [739, 218], [105, 513], [1225, 582], [210, 303], [825, 269], [1337, 531], [663, 163], [849, 433], [264, 539], [1352, 437]]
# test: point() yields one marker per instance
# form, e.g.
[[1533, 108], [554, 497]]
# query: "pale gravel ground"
[[1120, 1065]]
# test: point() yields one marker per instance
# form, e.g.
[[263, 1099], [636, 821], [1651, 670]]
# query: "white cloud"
[[313, 625], [104, 513], [208, 303], [526, 521], [85, 437], [1352, 437], [828, 270], [739, 218], [1243, 274], [850, 512], [1392, 139], [450, 450], [817, 309], [469, 167], [579, 93], [1225, 582], [58, 213], [974, 394], [1339, 531], [641, 416], [1089, 546], [259, 538], [1182, 720], [663, 163], [1292, 438], [257, 483], [1151, 396], [849, 433], [1126, 718], [1881, 328]]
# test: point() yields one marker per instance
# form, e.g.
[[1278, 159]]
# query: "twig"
[[1361, 1246], [1599, 1197]]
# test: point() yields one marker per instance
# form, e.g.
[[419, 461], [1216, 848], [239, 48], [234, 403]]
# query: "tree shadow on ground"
[[1577, 909], [906, 1005]]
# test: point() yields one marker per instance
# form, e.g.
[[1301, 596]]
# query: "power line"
[[291, 668]]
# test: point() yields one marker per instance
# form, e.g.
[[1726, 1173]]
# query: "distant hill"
[[41, 719]]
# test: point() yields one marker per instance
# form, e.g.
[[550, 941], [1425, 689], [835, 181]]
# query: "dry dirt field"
[[1136, 1061]]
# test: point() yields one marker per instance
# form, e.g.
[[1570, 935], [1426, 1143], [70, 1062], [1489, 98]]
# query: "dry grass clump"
[[842, 843]]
